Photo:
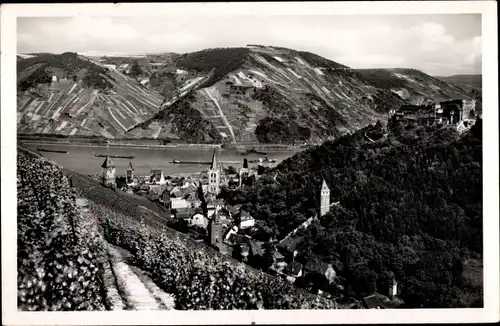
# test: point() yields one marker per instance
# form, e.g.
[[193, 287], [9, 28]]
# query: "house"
[[109, 66], [315, 265], [143, 80], [176, 203], [244, 220], [256, 248], [183, 213], [156, 176], [288, 247], [279, 259], [233, 230], [294, 269], [233, 209], [198, 219]]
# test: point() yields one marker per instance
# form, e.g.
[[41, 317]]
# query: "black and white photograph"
[[208, 157]]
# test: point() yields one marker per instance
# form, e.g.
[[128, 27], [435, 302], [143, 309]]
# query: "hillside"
[[266, 94], [65, 254], [85, 99], [407, 205], [474, 81], [239, 95]]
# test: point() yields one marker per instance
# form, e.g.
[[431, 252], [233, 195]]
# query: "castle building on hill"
[[214, 176], [108, 178], [325, 199]]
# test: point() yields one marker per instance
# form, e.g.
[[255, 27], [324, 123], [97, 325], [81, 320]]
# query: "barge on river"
[[51, 150], [114, 156], [203, 162]]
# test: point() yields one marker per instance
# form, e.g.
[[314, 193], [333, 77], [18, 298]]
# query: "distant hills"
[[239, 95], [464, 80]]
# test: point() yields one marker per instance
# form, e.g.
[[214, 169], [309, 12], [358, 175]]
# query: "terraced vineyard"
[[69, 108], [270, 94]]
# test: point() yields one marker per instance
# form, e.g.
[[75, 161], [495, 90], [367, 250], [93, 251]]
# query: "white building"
[[179, 203], [199, 220], [245, 220]]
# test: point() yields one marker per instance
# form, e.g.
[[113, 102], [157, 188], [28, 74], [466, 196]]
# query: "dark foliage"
[[135, 70], [409, 204], [59, 255], [97, 80], [277, 131], [189, 124], [217, 62], [319, 61], [71, 64], [381, 78], [39, 76]]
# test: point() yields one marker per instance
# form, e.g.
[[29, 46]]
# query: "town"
[[229, 229]]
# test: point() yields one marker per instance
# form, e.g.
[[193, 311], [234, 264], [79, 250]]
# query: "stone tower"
[[243, 173], [214, 176], [108, 173], [325, 199], [215, 230]]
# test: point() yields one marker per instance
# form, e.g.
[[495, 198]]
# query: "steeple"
[[214, 176], [324, 186], [108, 163], [213, 166]]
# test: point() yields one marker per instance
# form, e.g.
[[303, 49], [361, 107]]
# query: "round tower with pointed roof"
[[108, 173], [325, 199], [214, 175]]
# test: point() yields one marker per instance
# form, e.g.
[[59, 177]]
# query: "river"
[[80, 158]]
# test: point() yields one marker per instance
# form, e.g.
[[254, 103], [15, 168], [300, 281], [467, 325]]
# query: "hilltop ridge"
[[252, 94]]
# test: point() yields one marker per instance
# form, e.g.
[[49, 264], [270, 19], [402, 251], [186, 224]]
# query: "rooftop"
[[316, 265], [293, 268], [108, 163], [290, 244]]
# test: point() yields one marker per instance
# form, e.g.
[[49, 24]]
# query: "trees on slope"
[[410, 204]]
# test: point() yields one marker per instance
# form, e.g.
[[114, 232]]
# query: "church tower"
[[108, 173], [214, 176], [325, 199]]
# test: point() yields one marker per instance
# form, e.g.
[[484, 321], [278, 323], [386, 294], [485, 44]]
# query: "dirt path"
[[127, 286]]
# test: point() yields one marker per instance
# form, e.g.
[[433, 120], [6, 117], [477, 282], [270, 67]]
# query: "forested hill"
[[409, 205]]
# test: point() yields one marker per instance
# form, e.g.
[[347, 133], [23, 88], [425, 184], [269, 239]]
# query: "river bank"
[[233, 147]]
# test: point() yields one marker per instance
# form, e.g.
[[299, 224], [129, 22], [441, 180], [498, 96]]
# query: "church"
[[215, 176]]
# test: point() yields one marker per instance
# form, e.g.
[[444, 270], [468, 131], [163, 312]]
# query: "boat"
[[113, 156], [263, 160], [203, 162], [51, 150]]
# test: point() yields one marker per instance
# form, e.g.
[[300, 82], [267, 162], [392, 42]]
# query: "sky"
[[440, 45]]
